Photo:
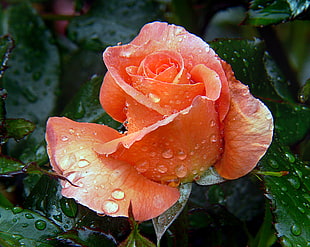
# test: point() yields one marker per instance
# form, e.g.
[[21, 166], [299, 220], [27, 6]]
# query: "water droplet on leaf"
[[296, 230], [16, 210], [29, 216], [40, 224], [181, 171]]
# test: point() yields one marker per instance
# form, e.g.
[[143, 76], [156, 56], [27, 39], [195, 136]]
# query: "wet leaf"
[[87, 237], [21, 227], [254, 67], [264, 12], [45, 197], [110, 22], [85, 106], [289, 195], [292, 121], [304, 94], [32, 77], [9, 164], [162, 222], [18, 128]]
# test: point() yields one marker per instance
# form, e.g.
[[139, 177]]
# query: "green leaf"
[[85, 106], [304, 94], [264, 12], [163, 221], [32, 77], [292, 121], [87, 237], [110, 22], [9, 164], [21, 227], [6, 47], [266, 234], [136, 239], [289, 195], [18, 128], [45, 197], [254, 67]]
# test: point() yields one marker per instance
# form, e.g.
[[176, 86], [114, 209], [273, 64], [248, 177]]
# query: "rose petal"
[[175, 149], [211, 80], [248, 130], [103, 184], [156, 37]]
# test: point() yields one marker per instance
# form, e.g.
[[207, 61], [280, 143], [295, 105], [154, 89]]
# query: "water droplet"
[[290, 157], [299, 173], [181, 155], [80, 111], [71, 131], [286, 242], [29, 216], [68, 206], [16, 210], [213, 138], [296, 230], [30, 94], [118, 194], [212, 123], [283, 188], [167, 154], [294, 181], [64, 138], [162, 168], [58, 217], [207, 49], [40, 224], [110, 207], [181, 171], [142, 166], [83, 163], [25, 225], [155, 98], [273, 163]]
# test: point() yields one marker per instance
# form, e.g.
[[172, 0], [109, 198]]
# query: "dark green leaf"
[[136, 239], [304, 94], [163, 221], [87, 237], [32, 79], [292, 121], [45, 197], [8, 164], [21, 227], [85, 106], [252, 66], [18, 128], [266, 234], [4, 202], [289, 195], [110, 22], [264, 12], [248, 61]]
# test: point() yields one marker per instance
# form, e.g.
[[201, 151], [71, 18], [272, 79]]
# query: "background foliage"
[[44, 72]]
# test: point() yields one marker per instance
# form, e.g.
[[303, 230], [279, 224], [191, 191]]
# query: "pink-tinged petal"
[[211, 80], [248, 130], [113, 98], [157, 37], [177, 148], [103, 184]]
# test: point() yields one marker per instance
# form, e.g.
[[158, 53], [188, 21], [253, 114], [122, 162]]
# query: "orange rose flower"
[[184, 112]]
